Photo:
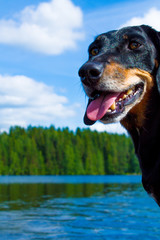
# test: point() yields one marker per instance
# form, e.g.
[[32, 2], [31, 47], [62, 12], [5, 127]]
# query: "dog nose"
[[91, 72]]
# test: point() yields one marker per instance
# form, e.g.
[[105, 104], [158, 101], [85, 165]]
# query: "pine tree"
[[69, 160], [35, 151]]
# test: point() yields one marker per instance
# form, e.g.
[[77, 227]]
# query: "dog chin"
[[117, 118]]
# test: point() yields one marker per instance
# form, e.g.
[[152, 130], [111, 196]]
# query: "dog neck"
[[143, 124], [145, 137]]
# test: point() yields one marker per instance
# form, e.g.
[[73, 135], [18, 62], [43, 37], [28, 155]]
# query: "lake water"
[[77, 207]]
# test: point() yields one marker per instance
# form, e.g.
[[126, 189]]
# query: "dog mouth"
[[109, 106]]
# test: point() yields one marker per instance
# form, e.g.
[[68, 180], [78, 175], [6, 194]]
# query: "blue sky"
[[43, 44]]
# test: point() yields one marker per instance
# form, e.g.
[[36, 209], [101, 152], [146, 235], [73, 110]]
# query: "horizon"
[[41, 52]]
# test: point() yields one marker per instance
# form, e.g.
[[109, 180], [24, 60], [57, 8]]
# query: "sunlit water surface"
[[77, 207]]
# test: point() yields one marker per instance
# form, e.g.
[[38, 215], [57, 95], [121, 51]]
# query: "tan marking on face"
[[125, 36], [117, 78], [138, 111], [156, 63]]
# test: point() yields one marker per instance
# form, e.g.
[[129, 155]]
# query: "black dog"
[[122, 81]]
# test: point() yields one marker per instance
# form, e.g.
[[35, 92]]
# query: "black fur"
[[146, 138]]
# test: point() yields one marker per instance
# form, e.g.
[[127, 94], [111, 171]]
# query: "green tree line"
[[50, 151]]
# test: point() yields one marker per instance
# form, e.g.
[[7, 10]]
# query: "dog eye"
[[94, 51], [134, 45]]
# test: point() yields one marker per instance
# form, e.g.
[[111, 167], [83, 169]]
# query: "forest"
[[50, 151]]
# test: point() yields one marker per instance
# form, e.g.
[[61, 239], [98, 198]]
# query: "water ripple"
[[36, 211]]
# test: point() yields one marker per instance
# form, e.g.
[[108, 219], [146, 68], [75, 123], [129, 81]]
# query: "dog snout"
[[91, 72]]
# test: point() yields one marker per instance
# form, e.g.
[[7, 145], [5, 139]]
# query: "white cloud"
[[24, 101], [151, 18], [50, 28], [110, 128]]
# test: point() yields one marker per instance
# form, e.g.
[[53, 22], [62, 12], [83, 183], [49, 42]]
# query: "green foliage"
[[50, 151]]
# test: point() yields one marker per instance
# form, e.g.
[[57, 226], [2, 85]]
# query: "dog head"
[[122, 69]]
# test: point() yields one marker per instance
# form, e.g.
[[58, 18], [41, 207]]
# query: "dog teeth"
[[119, 102], [124, 96], [129, 92], [113, 106]]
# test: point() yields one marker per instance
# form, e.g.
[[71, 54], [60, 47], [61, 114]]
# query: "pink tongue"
[[99, 107]]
